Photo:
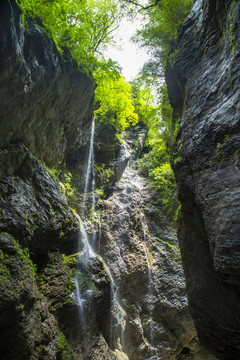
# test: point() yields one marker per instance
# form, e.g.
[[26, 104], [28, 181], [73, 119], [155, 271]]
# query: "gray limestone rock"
[[142, 254], [204, 91], [32, 206], [46, 102]]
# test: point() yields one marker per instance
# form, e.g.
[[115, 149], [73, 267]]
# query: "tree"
[[115, 96], [162, 21], [84, 27]]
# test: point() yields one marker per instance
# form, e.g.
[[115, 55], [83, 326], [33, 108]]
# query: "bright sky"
[[129, 56]]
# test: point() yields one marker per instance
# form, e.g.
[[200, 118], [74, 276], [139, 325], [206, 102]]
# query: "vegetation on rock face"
[[64, 350], [159, 34], [84, 28], [155, 163], [162, 23]]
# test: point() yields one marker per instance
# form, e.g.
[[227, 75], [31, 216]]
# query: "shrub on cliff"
[[84, 28]]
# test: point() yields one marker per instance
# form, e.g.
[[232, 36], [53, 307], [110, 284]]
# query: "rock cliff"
[[109, 285], [46, 103], [142, 253], [204, 92]]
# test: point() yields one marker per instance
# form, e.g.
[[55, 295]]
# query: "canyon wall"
[[204, 91], [46, 102], [122, 296]]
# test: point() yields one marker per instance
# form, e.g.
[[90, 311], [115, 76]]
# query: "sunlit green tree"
[[115, 97], [162, 21], [83, 27]]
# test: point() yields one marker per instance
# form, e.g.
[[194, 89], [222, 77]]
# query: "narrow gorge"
[[91, 265]]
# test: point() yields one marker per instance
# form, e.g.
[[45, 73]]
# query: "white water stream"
[[86, 253], [90, 169]]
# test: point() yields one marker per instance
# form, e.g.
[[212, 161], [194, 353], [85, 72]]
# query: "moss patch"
[[64, 350]]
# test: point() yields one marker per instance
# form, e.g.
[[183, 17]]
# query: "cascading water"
[[90, 170], [84, 257], [133, 182], [117, 318], [85, 253], [118, 315]]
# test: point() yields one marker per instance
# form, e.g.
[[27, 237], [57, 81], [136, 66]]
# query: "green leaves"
[[117, 108], [162, 23], [82, 26]]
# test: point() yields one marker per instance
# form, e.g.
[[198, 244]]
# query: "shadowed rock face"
[[27, 328], [33, 207], [204, 90], [35, 219], [46, 103]]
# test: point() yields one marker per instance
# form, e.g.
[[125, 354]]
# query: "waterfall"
[[86, 253], [90, 170], [117, 317], [84, 256]]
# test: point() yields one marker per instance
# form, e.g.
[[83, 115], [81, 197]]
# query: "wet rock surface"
[[134, 304], [35, 219], [142, 254], [204, 89]]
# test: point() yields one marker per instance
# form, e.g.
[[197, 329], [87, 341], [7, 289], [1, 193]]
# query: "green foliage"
[[103, 174], [161, 136], [82, 26], [25, 254], [114, 95], [144, 102], [231, 37], [175, 251], [69, 260], [64, 350], [5, 261], [162, 23], [219, 146], [163, 178], [66, 186]]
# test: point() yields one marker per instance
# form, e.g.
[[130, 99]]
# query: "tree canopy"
[[162, 21], [84, 28], [117, 106]]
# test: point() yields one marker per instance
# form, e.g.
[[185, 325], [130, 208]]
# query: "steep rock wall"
[[46, 103], [148, 316], [142, 253], [204, 91], [45, 113]]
